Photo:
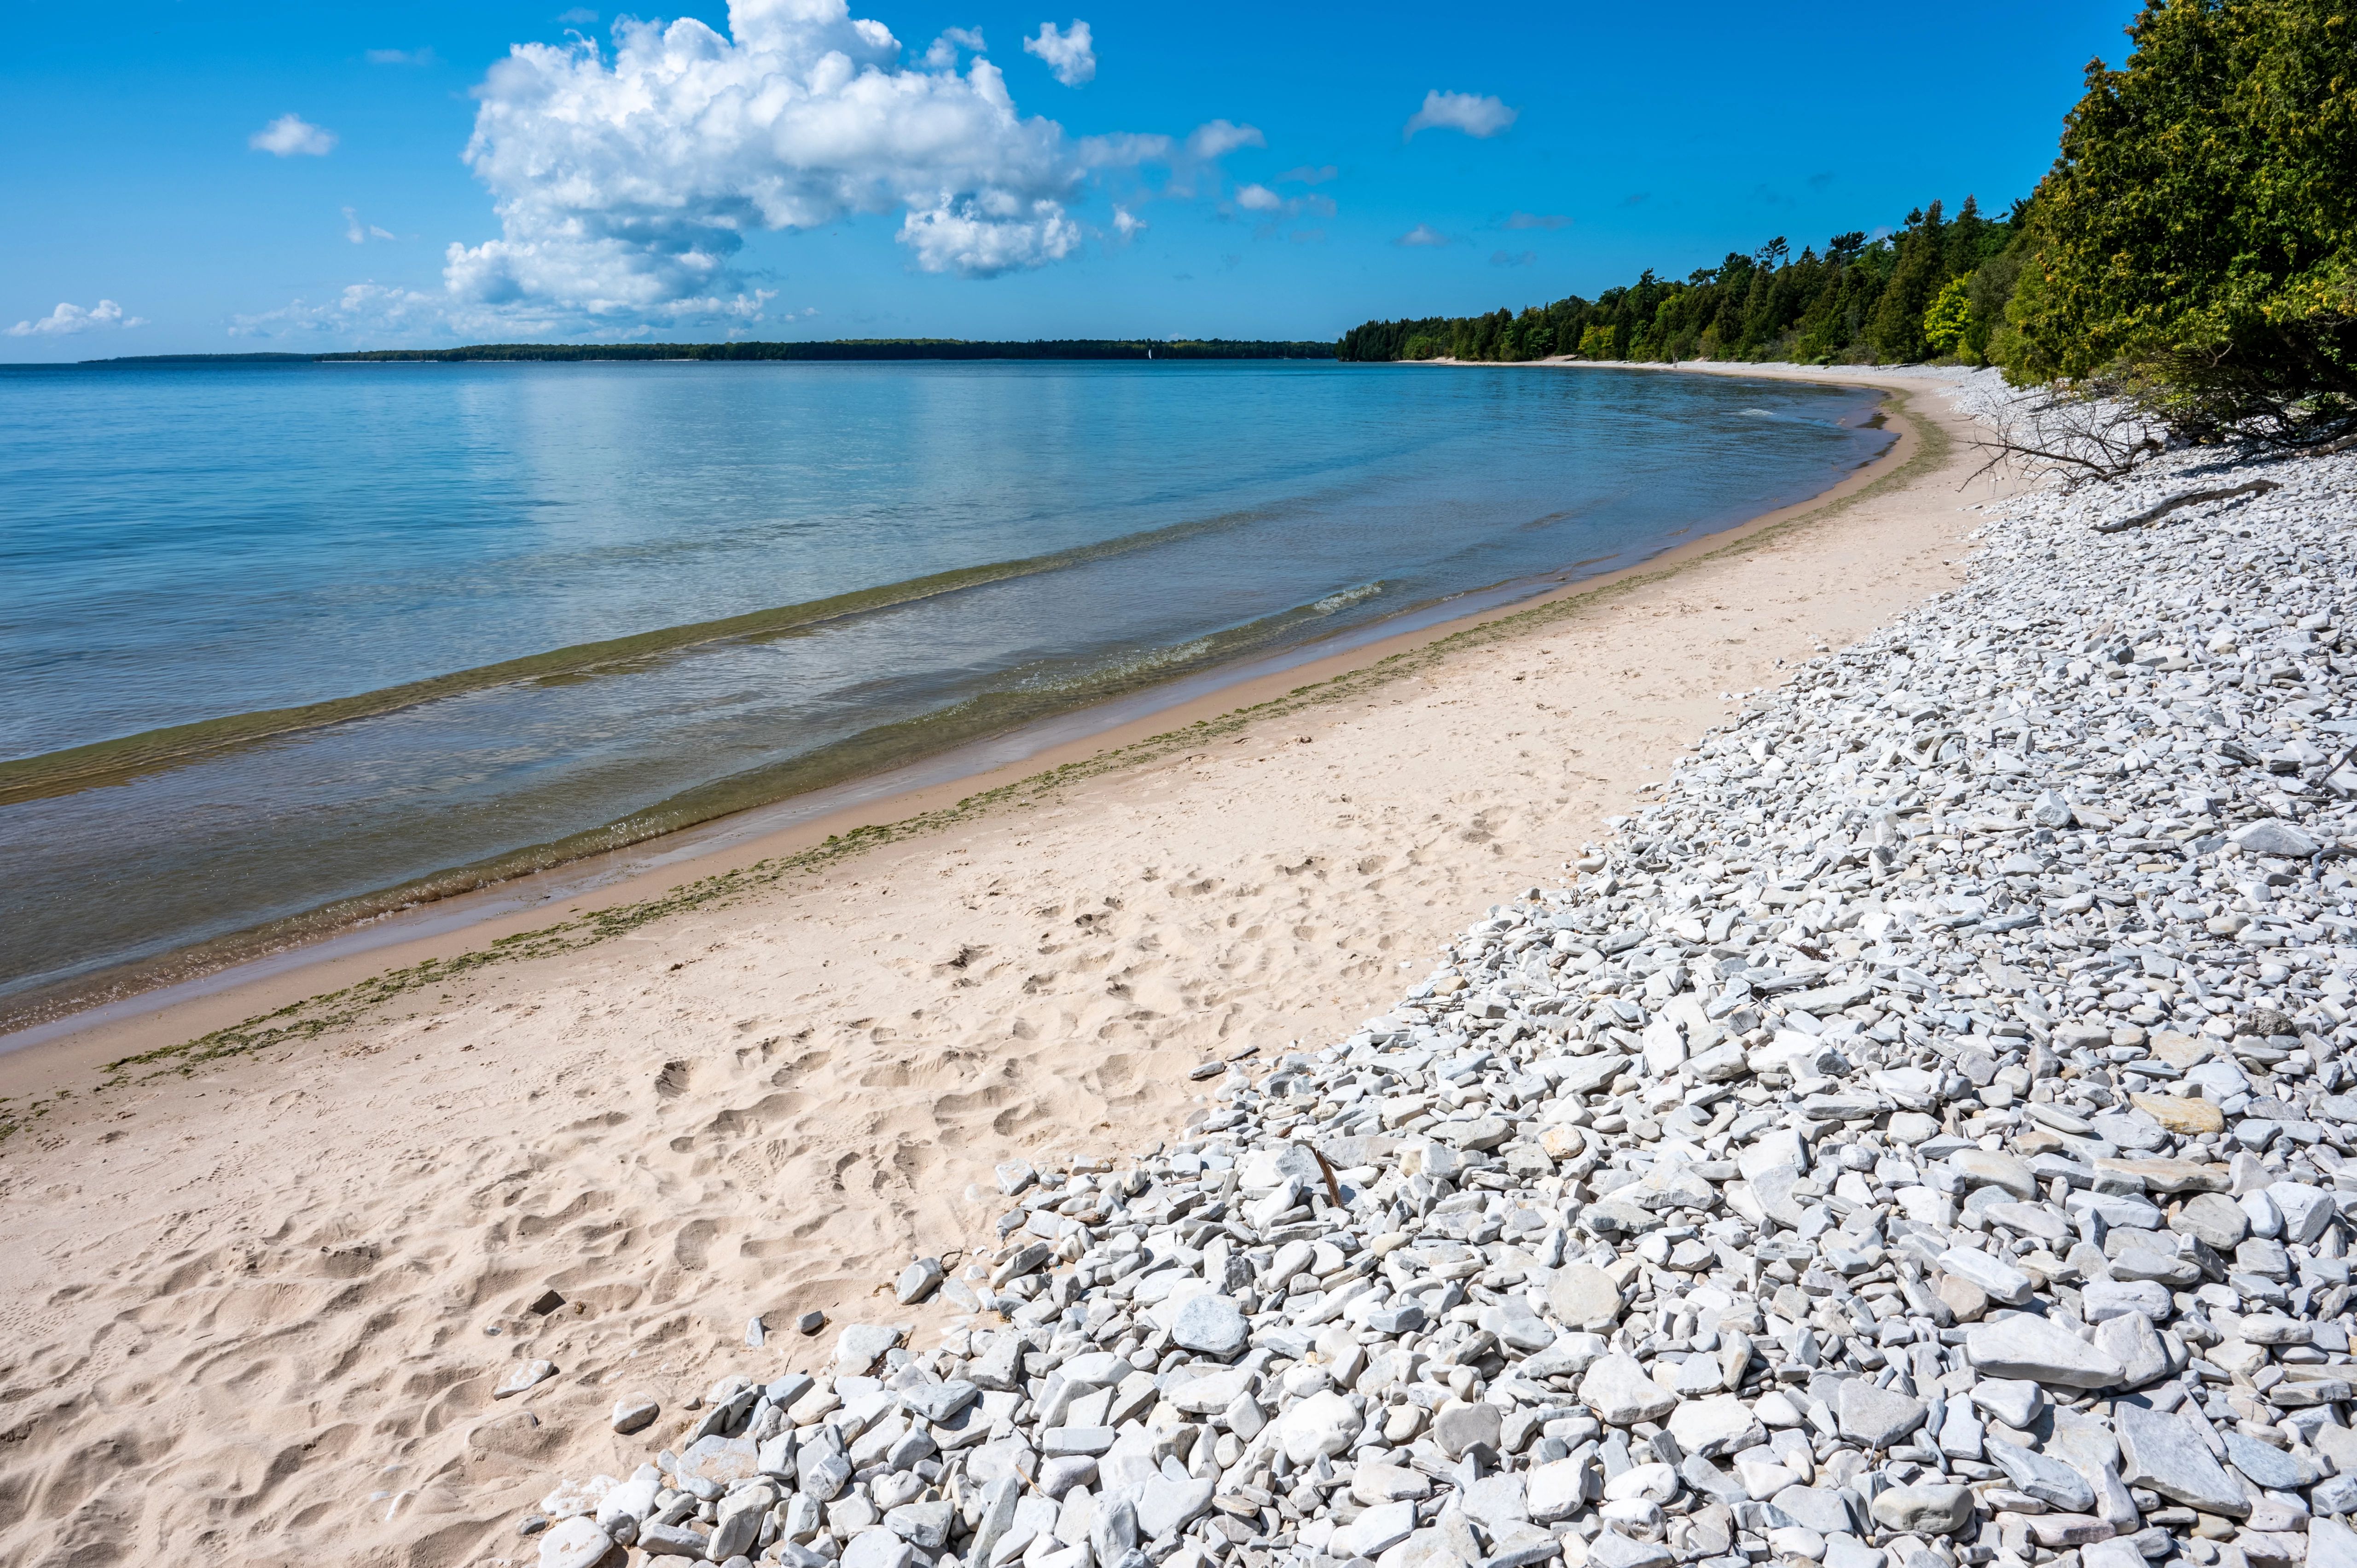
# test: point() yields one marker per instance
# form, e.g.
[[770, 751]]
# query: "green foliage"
[[2195, 245], [1857, 300], [1988, 337], [1951, 314], [1917, 272]]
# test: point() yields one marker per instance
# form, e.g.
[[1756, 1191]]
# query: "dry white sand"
[[246, 1310]]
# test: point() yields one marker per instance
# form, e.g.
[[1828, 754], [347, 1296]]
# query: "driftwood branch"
[[2190, 498], [2082, 433], [1325, 1167]]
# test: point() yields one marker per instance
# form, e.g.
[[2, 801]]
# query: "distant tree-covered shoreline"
[[842, 349], [869, 348], [1858, 301]]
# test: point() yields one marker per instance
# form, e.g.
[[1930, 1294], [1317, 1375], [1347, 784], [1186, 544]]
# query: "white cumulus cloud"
[[68, 319], [1275, 210], [1422, 234], [1189, 159], [1069, 53], [943, 54], [624, 186], [290, 134], [626, 177], [991, 234], [378, 313], [376, 308], [1217, 139], [1476, 115]]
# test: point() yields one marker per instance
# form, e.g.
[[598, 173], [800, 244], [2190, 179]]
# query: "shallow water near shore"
[[489, 591]]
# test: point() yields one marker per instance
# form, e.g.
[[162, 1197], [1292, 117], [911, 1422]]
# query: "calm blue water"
[[182, 544]]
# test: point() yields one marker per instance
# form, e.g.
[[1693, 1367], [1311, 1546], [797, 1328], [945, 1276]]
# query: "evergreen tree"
[[2197, 238]]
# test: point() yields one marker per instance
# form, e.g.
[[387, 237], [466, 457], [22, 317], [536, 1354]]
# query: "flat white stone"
[[1322, 1424], [2023, 1347], [574, 1542], [1722, 1423], [1622, 1393], [531, 1375]]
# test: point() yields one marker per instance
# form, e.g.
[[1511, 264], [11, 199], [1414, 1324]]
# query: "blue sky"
[[203, 178]]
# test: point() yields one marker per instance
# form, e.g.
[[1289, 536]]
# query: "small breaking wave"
[[1332, 603]]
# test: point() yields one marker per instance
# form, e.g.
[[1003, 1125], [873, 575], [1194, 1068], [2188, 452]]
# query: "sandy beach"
[[260, 1301]]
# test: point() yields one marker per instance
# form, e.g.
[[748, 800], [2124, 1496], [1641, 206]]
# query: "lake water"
[[183, 547]]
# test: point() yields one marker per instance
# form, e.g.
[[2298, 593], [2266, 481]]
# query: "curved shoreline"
[[765, 1103], [611, 890]]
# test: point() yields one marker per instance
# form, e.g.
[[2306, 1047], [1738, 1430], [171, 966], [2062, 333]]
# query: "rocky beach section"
[[1919, 1137]]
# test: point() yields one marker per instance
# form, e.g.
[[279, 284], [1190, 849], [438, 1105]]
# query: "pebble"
[[1918, 1138], [1212, 1325], [635, 1412], [2167, 1453], [2047, 1479], [917, 1281], [1460, 1428], [530, 1375], [1939, 1509], [2331, 1544], [1623, 1392], [2021, 1346], [574, 1542], [1877, 1418], [1582, 1295]]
